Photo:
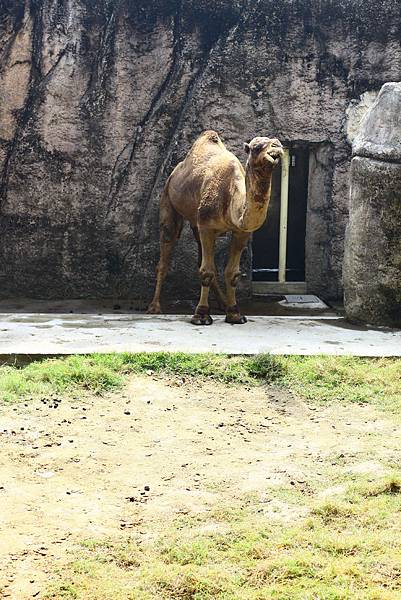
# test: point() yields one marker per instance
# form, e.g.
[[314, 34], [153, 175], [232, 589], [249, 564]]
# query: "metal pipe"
[[285, 163]]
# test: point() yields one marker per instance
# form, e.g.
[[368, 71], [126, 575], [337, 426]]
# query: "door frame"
[[281, 286]]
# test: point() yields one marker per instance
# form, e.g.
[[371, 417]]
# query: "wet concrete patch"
[[270, 305]]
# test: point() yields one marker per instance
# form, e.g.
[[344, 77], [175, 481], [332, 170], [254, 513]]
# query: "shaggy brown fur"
[[212, 191]]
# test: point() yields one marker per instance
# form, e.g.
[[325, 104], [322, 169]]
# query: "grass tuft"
[[330, 510], [266, 367], [389, 485], [64, 591]]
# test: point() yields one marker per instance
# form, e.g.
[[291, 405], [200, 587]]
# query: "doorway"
[[278, 247]]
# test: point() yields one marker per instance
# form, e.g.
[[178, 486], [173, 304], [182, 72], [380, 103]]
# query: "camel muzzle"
[[274, 156]]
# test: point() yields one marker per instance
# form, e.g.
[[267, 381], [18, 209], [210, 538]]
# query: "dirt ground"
[[78, 468]]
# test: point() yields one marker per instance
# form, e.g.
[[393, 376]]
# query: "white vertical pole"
[[285, 163]]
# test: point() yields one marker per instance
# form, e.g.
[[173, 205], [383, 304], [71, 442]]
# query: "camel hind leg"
[[170, 230]]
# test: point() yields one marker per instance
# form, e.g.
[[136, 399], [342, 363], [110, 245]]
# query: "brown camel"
[[211, 189]]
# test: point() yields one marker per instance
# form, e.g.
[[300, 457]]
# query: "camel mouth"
[[274, 155], [271, 159]]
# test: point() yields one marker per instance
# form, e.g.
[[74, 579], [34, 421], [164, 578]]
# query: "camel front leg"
[[207, 273], [231, 275], [220, 296]]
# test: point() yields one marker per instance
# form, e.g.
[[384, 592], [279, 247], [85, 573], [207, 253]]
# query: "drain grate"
[[297, 299]]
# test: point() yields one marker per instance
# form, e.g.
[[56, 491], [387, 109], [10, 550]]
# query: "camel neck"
[[257, 197]]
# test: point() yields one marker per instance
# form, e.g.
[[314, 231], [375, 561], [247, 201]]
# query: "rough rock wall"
[[100, 98], [372, 262]]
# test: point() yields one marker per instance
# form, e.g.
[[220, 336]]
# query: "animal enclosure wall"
[[99, 99]]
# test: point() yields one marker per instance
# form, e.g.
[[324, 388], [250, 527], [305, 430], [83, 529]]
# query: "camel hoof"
[[234, 316], [154, 309], [236, 319], [201, 320], [202, 316]]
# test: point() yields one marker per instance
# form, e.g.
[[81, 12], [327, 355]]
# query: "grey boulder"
[[372, 258]]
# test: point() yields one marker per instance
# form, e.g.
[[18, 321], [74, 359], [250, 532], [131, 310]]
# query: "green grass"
[[343, 379], [103, 372], [320, 379], [58, 376], [347, 548]]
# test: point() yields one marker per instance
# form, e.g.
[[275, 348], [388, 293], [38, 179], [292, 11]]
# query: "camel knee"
[[207, 277], [232, 278]]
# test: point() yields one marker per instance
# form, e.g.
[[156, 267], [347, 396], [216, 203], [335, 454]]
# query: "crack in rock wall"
[[100, 99]]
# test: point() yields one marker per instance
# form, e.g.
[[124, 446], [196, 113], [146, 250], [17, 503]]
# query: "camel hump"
[[209, 142], [210, 136]]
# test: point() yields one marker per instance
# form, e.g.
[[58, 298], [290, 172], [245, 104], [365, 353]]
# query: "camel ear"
[[247, 148]]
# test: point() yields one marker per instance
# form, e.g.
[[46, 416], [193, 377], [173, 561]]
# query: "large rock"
[[372, 261], [99, 99]]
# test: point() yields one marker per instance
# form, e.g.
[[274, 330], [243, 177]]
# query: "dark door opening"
[[266, 241]]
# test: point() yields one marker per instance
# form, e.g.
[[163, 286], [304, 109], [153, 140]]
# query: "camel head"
[[264, 152]]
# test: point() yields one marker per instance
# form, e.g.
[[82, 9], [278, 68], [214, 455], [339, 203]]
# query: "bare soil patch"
[[93, 466]]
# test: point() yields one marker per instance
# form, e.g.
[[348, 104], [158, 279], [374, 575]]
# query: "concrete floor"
[[51, 334]]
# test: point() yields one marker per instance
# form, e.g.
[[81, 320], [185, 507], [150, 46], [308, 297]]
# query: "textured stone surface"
[[372, 263], [99, 99], [379, 135], [356, 112]]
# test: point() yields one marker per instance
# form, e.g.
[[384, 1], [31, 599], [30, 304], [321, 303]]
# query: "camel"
[[211, 189]]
